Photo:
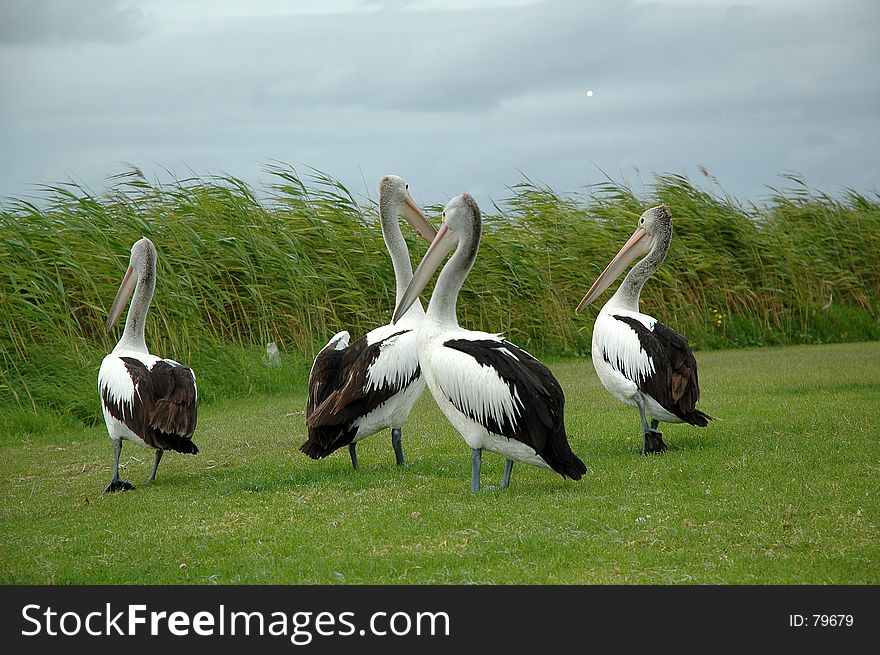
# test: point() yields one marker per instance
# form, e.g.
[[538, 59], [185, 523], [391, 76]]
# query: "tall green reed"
[[304, 259]]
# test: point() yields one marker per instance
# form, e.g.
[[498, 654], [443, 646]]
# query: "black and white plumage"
[[639, 360], [360, 389], [495, 394], [145, 399]]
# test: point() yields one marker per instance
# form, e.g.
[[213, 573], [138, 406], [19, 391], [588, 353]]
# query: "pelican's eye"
[[406, 186]]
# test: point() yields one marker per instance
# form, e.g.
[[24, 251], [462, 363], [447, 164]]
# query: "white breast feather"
[[478, 389], [396, 363], [620, 344], [116, 380]]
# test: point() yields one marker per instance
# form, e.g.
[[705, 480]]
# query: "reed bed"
[[303, 258]]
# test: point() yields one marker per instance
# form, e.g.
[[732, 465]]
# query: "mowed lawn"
[[782, 488]]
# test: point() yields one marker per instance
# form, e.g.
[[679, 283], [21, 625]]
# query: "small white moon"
[[589, 94]]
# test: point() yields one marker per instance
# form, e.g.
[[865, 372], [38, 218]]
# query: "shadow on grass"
[[291, 471], [239, 478], [341, 480]]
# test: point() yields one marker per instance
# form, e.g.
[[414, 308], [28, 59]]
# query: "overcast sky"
[[453, 96]]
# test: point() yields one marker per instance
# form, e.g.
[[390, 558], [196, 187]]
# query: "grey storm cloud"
[[452, 99], [40, 21]]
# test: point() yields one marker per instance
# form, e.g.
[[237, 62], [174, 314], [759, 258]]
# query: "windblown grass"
[[304, 259]]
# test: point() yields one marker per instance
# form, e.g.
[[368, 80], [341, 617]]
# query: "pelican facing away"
[[148, 400], [639, 360], [495, 394], [359, 389]]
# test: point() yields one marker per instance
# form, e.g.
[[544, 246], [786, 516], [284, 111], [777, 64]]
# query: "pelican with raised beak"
[[360, 389], [494, 393]]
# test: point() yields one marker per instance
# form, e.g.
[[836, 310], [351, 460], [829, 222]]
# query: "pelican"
[[359, 389], [495, 394], [639, 360], [148, 400]]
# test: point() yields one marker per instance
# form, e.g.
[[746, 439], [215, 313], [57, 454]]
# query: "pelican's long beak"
[[637, 246], [437, 251], [413, 215], [122, 296]]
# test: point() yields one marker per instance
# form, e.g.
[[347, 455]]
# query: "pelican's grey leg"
[[508, 469], [653, 437], [640, 403], [397, 442], [476, 464], [159, 453], [352, 451], [117, 484]]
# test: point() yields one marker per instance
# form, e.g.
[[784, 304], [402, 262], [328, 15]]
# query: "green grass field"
[[782, 488]]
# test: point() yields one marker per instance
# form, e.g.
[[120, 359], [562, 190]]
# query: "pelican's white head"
[[393, 187], [394, 200], [655, 227], [657, 224], [141, 266], [461, 216], [143, 253]]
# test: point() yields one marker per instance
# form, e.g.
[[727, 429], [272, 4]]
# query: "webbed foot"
[[118, 485], [654, 442]]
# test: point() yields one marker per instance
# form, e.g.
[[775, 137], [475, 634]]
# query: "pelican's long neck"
[[627, 295], [399, 252], [135, 322], [441, 308]]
